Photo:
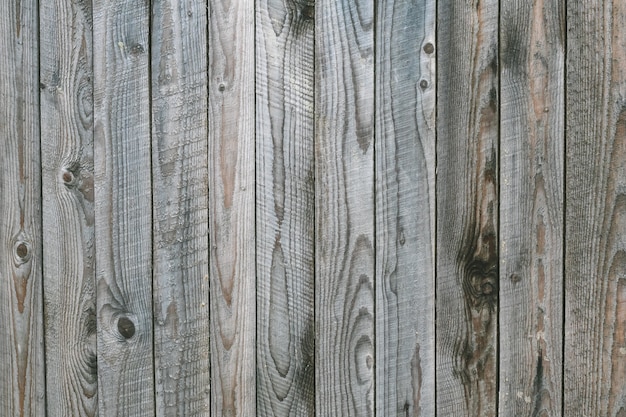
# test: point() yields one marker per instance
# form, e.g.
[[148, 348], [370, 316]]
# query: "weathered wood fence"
[[281, 208]]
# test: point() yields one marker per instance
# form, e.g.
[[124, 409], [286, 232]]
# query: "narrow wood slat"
[[344, 207], [285, 199], [66, 69], [595, 258], [22, 370], [467, 207], [405, 208], [180, 207], [123, 208], [531, 207], [231, 207]]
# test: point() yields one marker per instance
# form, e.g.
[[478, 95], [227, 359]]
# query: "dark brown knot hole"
[[22, 250], [68, 177], [429, 48], [126, 327], [308, 12]]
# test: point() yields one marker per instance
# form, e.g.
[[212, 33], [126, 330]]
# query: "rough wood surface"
[[595, 263], [22, 373], [180, 207], [405, 208], [123, 208], [66, 81], [467, 208], [344, 208], [285, 199], [232, 207], [531, 207]]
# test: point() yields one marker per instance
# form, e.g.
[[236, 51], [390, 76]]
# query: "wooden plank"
[[22, 370], [231, 207], [180, 207], [123, 208], [68, 213], [344, 208], [595, 258], [531, 207], [467, 208], [285, 199], [405, 208]]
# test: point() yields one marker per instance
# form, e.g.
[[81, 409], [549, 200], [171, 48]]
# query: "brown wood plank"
[[123, 208], [595, 259], [531, 207], [467, 208], [285, 199], [232, 207], [344, 186], [180, 207], [405, 208], [22, 370], [66, 70]]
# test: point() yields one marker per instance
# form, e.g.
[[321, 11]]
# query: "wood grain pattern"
[[467, 208], [180, 207], [531, 207], [68, 207], [285, 199], [123, 208], [595, 263], [405, 208], [22, 370], [232, 207], [344, 208]]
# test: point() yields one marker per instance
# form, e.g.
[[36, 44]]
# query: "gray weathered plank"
[[531, 207], [22, 370], [344, 207], [595, 259], [467, 207], [180, 207], [285, 199], [405, 208], [231, 207], [123, 208], [68, 212]]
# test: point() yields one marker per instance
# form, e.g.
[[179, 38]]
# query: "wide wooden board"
[[405, 208], [285, 212], [467, 208], [66, 87]]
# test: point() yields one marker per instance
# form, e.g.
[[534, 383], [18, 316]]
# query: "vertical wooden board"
[[68, 212], [231, 207], [344, 208], [405, 208], [123, 208], [22, 369], [467, 207], [531, 207], [595, 258], [285, 199], [180, 207]]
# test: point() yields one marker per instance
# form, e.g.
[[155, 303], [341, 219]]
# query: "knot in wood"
[[429, 48], [136, 49], [308, 13], [68, 177], [126, 327], [22, 251]]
